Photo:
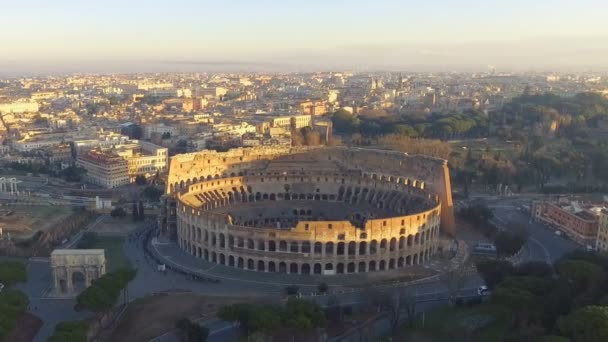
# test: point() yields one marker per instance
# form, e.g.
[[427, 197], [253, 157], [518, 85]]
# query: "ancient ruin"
[[75, 269], [320, 210]]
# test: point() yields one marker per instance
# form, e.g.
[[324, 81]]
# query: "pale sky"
[[180, 35]]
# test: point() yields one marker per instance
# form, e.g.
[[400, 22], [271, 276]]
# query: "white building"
[[159, 129], [144, 158], [19, 107]]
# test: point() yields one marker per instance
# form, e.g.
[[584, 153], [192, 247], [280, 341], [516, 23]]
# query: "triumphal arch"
[[75, 269]]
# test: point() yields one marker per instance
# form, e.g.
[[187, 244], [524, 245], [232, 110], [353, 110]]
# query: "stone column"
[[56, 281], [68, 281]]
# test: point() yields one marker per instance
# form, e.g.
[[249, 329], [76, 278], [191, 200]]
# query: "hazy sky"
[[113, 35]]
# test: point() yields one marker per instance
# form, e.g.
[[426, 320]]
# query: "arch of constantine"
[[323, 210], [70, 266]]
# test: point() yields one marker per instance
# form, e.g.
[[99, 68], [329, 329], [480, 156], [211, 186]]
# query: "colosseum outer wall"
[[421, 171]]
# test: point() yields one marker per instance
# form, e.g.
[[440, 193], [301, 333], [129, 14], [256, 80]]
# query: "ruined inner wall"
[[422, 171]]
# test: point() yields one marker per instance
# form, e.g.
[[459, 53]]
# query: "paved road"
[[543, 244]]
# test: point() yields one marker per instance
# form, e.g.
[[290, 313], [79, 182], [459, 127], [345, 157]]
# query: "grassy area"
[[451, 324], [115, 256]]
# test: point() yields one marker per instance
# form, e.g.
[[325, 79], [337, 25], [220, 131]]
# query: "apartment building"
[[19, 107], [144, 158], [105, 169], [602, 231], [159, 129], [578, 222], [291, 122]]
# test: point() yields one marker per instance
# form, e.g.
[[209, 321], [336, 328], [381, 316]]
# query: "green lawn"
[[445, 324], [115, 256]]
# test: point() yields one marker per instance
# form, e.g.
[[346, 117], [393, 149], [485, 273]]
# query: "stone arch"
[[391, 263], [282, 267], [261, 266], [222, 259], [294, 247], [78, 280], [361, 267], [393, 245], [293, 268], [352, 248], [340, 249], [262, 245], [362, 248], [250, 264], [272, 246], [401, 243], [231, 261], [329, 248], [383, 245], [74, 270], [340, 268], [317, 269], [250, 244], [382, 265], [373, 247], [372, 265], [318, 249], [305, 247], [272, 266], [305, 269], [350, 268], [240, 262], [283, 246]]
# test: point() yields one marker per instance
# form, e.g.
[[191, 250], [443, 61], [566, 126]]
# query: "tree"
[[264, 318], [141, 213], [516, 299], [534, 269], [118, 212], [73, 173], [73, 331], [135, 212], [581, 274], [87, 240], [188, 331], [508, 244], [587, 324], [103, 293], [345, 122], [152, 193], [12, 272], [455, 280], [494, 271], [323, 287], [140, 180], [12, 304], [292, 290]]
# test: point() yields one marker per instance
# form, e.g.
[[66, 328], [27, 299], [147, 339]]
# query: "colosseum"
[[315, 210]]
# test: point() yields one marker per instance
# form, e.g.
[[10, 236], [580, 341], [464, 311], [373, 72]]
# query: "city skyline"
[[69, 36]]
